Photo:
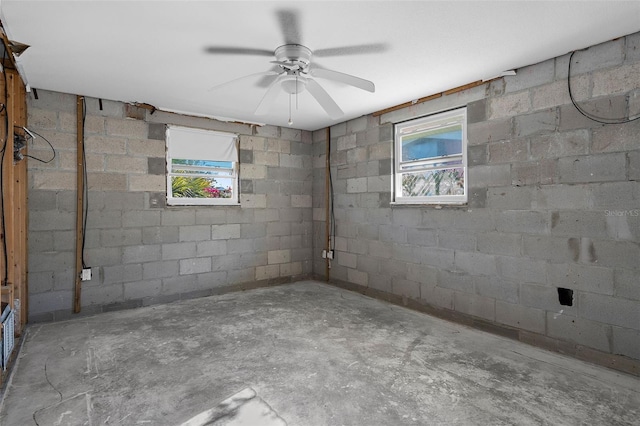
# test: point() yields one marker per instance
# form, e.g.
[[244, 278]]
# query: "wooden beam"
[[327, 184], [80, 201], [434, 96]]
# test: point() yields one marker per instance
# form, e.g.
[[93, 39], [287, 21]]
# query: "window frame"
[[205, 201], [421, 124]]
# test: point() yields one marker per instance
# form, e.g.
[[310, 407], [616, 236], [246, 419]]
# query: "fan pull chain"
[[290, 120]]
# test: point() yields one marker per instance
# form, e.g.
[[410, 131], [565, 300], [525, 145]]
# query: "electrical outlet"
[[330, 254], [86, 274], [324, 254]]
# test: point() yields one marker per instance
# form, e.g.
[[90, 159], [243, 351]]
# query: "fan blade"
[[266, 80], [269, 98], [323, 98], [227, 50], [341, 77], [288, 20], [351, 50], [265, 73]]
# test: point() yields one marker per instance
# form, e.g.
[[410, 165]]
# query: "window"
[[431, 159], [202, 167]]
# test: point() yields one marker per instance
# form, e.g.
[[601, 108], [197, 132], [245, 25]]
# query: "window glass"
[[431, 159], [202, 167]]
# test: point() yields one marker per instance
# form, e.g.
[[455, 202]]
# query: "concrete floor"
[[314, 355]]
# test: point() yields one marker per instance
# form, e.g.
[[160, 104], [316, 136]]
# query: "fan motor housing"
[[293, 53]]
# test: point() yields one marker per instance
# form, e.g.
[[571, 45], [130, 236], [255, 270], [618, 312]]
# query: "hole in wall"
[[565, 296]]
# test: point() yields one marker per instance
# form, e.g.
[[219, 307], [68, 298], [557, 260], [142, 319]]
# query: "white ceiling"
[[155, 51]]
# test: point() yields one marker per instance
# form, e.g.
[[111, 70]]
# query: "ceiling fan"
[[294, 72]]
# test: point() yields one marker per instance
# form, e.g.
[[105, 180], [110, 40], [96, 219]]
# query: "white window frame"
[[200, 144], [410, 127]]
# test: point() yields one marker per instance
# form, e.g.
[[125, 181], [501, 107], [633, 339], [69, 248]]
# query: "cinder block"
[[178, 250], [520, 317], [40, 282], [530, 76], [477, 111], [510, 198], [196, 233], [560, 144], [380, 151], [150, 183], [499, 243], [609, 310], [278, 256], [596, 57], [156, 166], [195, 266], [450, 239], [50, 220], [593, 279], [120, 237], [118, 201], [126, 164], [457, 281], [304, 201], [346, 142], [357, 277], [475, 263], [104, 256], [347, 259], [477, 155], [423, 237], [140, 218], [266, 272], [488, 131], [105, 145], [52, 180], [160, 234], [578, 222], [380, 249], [147, 147], [42, 118], [616, 138], [393, 233], [211, 248], [563, 197], [632, 53], [472, 304], [532, 173], [579, 330], [554, 249], [634, 165], [157, 270], [438, 257], [497, 288], [278, 229], [537, 123], [522, 269], [141, 253], [240, 246], [616, 80], [626, 284], [523, 221], [405, 288], [626, 342], [557, 93], [494, 175], [509, 105], [134, 129], [224, 232], [356, 185], [616, 196], [357, 155], [437, 296], [142, 289], [546, 298], [101, 295], [617, 254], [178, 217]]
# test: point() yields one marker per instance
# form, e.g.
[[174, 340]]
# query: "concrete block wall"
[[554, 202], [141, 251]]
